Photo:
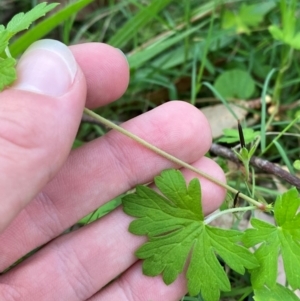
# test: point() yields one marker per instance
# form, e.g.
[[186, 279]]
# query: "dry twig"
[[259, 163]]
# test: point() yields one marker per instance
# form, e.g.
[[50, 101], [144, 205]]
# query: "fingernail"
[[47, 67]]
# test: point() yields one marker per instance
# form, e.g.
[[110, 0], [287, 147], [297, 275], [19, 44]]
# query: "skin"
[[45, 188]]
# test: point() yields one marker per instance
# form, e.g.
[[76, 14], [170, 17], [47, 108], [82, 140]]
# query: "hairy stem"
[[212, 217], [170, 157]]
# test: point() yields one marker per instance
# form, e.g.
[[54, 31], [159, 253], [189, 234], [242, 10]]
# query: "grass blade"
[[284, 157], [221, 98], [263, 111], [144, 16], [138, 59]]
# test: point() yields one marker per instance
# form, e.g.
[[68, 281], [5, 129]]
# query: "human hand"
[[45, 188]]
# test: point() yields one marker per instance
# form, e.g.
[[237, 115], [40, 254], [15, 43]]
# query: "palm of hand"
[[65, 187]]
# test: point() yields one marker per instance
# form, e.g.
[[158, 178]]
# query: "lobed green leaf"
[[232, 135], [22, 21], [174, 224], [4, 38], [286, 206], [7, 72], [46, 26], [18, 23], [290, 251], [277, 293], [282, 238], [173, 186]]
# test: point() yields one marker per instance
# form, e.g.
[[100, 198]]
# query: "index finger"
[[106, 72]]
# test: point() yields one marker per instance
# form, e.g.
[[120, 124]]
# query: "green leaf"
[[175, 226], [296, 164], [254, 145], [4, 38], [253, 14], [282, 238], [46, 26], [288, 33], [276, 33], [268, 259], [288, 11], [232, 135], [77, 143], [228, 19], [295, 42], [22, 21], [102, 210], [18, 23], [285, 209], [235, 84], [7, 72], [244, 154], [277, 293], [247, 16]]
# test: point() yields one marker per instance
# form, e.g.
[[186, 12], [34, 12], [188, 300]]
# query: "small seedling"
[[244, 154]]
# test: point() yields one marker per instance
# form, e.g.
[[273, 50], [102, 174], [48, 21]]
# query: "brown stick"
[[259, 163]]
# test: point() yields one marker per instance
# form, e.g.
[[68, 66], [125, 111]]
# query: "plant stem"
[[212, 217], [198, 82], [7, 52], [263, 126], [281, 133], [286, 55], [169, 157]]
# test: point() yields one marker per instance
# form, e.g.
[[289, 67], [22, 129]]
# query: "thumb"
[[39, 118]]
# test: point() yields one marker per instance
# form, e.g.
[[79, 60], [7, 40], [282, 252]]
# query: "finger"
[[82, 262], [102, 170], [105, 69], [103, 65], [133, 285], [39, 118]]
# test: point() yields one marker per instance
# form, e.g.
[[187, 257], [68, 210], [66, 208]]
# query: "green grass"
[[177, 50]]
